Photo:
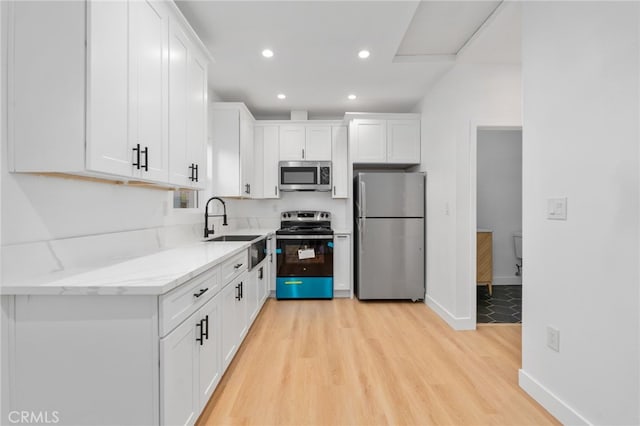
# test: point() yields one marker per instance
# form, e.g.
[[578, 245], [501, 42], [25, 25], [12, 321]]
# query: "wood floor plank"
[[346, 362]]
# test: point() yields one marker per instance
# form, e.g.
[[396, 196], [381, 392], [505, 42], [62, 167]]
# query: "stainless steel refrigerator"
[[389, 242]]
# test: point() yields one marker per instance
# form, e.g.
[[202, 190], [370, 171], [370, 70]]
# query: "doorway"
[[498, 234]]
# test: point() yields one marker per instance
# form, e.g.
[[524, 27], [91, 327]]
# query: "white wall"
[[581, 140], [266, 213], [466, 96], [499, 199]]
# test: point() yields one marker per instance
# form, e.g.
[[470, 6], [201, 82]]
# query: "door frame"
[[474, 128]]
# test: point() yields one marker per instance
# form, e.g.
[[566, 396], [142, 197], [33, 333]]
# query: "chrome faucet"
[[208, 231]]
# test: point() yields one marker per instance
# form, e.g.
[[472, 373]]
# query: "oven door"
[[305, 256]]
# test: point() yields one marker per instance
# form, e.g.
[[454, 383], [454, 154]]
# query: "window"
[[185, 199]]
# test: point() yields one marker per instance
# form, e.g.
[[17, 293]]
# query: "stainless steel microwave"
[[304, 176]]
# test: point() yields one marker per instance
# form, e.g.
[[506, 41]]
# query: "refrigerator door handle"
[[363, 204]]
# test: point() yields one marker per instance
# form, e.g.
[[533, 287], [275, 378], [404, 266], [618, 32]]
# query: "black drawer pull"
[[201, 292], [238, 295], [238, 265]]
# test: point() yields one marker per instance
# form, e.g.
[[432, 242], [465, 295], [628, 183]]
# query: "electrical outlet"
[[553, 338]]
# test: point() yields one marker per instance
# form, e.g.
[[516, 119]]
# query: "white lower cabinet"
[[179, 367], [159, 357], [232, 320], [342, 262], [190, 365]]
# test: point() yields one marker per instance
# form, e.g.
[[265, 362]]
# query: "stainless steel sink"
[[235, 238]]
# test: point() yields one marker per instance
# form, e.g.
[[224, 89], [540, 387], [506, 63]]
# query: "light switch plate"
[[557, 208], [553, 338]]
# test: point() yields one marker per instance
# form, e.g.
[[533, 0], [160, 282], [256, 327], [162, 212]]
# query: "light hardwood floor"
[[345, 362]]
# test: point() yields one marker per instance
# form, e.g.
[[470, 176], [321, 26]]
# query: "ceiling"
[[316, 43]]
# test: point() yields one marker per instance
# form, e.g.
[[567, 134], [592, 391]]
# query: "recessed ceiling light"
[[282, 96], [364, 54], [267, 53], [351, 97]]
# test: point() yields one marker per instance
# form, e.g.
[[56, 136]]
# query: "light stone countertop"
[[154, 274]]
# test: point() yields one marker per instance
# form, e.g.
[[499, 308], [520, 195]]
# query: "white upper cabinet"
[[305, 143], [232, 143], [339, 162], [266, 161], [109, 149], [187, 111], [318, 143], [382, 141], [403, 141], [149, 85], [292, 143], [370, 141], [117, 125]]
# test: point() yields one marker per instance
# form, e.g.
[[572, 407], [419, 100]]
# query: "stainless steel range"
[[304, 255]]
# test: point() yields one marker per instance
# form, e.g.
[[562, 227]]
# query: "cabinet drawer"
[[181, 302], [234, 266]]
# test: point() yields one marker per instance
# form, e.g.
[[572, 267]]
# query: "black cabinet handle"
[[303, 153], [238, 265], [247, 188], [241, 290], [196, 167], [200, 339], [201, 292], [260, 273], [238, 296], [136, 163], [191, 176], [145, 151], [276, 190], [206, 327]]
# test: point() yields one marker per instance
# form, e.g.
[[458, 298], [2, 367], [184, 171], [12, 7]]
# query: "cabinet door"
[[252, 296], [318, 143], [149, 34], [242, 305], [179, 171], [246, 154], [369, 140], [263, 281], [271, 149], [273, 268], [209, 357], [292, 143], [178, 375], [108, 148], [342, 262], [225, 138], [197, 118], [339, 162], [230, 325], [403, 141]]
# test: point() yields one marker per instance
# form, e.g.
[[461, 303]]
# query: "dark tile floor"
[[504, 306]]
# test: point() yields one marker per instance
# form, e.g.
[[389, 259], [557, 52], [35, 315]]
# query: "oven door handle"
[[304, 237]]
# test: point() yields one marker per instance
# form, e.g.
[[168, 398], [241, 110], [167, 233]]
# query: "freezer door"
[[390, 259], [390, 195]]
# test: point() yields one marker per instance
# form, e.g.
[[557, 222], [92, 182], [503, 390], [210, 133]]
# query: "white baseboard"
[[558, 408], [457, 323], [507, 280]]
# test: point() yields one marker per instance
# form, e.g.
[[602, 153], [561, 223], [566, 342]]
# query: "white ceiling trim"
[[487, 22], [424, 58]]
